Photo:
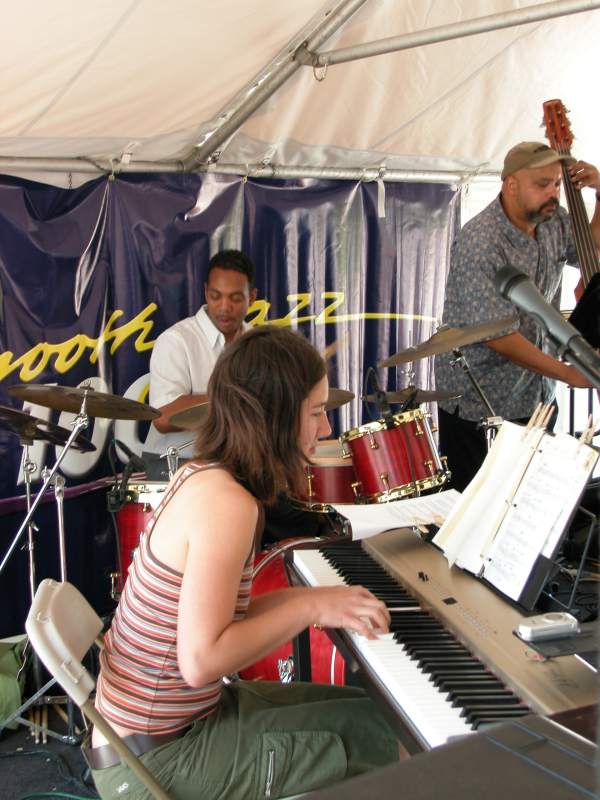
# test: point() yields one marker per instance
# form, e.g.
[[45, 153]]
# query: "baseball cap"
[[529, 155]]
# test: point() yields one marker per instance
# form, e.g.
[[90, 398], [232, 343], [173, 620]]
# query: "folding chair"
[[62, 626]]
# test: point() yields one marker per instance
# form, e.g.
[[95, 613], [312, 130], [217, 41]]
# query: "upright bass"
[[586, 314]]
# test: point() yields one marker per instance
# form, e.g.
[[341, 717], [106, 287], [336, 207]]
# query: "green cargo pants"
[[265, 740]]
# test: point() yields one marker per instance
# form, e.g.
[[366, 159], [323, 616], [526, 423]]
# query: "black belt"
[[139, 743]]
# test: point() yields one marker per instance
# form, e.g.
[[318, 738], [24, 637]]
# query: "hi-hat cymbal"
[[30, 428], [337, 398], [447, 339], [98, 404], [190, 417], [418, 396]]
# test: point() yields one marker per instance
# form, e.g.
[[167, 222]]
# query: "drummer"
[[185, 354], [186, 617]]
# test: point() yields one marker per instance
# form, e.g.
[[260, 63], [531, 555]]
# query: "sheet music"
[[468, 531], [539, 512], [517, 507], [369, 520]]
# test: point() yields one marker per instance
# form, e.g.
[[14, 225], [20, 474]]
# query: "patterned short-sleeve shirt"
[[486, 244]]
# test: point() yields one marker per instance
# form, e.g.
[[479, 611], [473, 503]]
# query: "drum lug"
[[418, 429], [428, 464], [434, 428], [310, 477], [372, 442], [384, 477], [356, 488], [345, 452]]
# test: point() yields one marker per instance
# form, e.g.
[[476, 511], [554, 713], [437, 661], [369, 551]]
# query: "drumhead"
[[329, 448]]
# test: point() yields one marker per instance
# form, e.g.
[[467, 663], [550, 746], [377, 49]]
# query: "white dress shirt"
[[181, 363]]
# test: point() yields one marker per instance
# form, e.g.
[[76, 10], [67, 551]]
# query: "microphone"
[[520, 290], [381, 400], [135, 462]]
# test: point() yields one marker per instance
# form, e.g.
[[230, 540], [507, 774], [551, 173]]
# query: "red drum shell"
[[405, 454], [327, 665], [142, 498], [329, 479]]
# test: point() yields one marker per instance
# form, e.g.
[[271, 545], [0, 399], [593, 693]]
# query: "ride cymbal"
[[190, 417], [30, 429], [418, 396], [448, 339], [69, 398]]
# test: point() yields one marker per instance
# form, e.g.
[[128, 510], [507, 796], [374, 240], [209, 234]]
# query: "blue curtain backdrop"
[[89, 277]]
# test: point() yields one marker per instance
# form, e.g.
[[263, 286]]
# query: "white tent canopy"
[[89, 86]]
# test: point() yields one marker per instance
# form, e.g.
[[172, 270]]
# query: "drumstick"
[[548, 411], [332, 348], [532, 419]]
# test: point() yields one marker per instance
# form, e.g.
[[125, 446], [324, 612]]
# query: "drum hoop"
[[398, 492], [379, 425], [144, 489]]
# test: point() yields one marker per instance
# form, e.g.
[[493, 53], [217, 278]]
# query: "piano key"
[[419, 659]]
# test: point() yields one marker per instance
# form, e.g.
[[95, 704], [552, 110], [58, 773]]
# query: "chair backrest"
[[62, 626]]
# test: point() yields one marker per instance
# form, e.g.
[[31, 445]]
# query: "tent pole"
[[444, 33], [272, 171], [387, 175], [258, 92]]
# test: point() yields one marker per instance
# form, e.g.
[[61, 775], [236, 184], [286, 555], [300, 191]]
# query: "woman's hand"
[[352, 607]]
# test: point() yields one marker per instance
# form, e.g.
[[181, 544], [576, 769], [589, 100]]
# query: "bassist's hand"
[[584, 174]]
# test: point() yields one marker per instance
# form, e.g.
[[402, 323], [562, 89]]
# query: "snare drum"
[[397, 461], [327, 665], [141, 498]]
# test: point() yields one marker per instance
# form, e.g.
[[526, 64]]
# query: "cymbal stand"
[[29, 467], [492, 422], [59, 493], [80, 423], [172, 456], [172, 461]]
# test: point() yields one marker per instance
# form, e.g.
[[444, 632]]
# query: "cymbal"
[[420, 396], [32, 428], [98, 404], [337, 398], [190, 417], [448, 339]]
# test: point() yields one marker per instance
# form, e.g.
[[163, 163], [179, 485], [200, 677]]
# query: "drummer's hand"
[[352, 607], [584, 174]]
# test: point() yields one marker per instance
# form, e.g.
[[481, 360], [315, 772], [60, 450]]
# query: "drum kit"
[[389, 458]]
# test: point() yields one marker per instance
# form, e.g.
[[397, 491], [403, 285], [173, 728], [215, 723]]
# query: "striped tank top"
[[140, 686]]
